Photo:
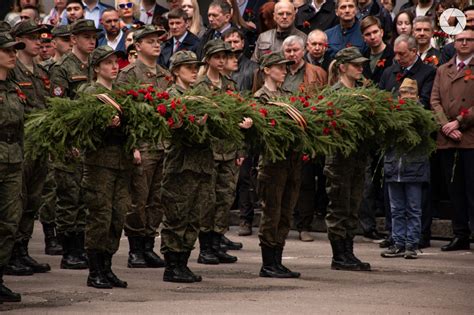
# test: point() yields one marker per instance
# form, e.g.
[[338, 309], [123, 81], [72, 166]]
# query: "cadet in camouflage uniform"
[[47, 212], [143, 219], [34, 82], [67, 75], [187, 184], [215, 219], [11, 157], [278, 182], [345, 177], [106, 182]]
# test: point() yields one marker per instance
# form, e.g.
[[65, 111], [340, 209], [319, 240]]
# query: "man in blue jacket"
[[347, 33]]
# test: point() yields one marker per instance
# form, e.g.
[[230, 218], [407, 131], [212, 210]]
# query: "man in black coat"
[[316, 14], [410, 65], [316, 49], [380, 55], [181, 38]]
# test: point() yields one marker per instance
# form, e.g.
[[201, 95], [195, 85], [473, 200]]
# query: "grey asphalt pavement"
[[436, 283]]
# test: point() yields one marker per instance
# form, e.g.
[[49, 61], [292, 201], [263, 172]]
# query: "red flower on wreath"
[[401, 102], [253, 105], [326, 131], [320, 97], [273, 122], [333, 124], [293, 99], [132, 93], [173, 104], [163, 95], [330, 104], [148, 97], [192, 118], [313, 108], [170, 122], [263, 112], [306, 104], [161, 109], [381, 63], [330, 112]]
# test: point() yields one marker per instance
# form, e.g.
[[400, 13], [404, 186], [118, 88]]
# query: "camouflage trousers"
[[47, 211], [146, 213], [224, 182], [107, 198], [10, 208], [34, 177], [184, 195], [70, 209], [278, 186], [345, 187]]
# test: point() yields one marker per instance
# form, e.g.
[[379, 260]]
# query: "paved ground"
[[436, 283]]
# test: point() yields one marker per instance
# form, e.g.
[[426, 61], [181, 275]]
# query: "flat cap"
[[61, 31], [27, 27], [147, 30], [82, 26], [350, 55], [103, 52], [184, 57]]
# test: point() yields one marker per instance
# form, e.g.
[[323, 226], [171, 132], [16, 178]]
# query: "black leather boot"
[[80, 246], [349, 252], [339, 258], [136, 258], [269, 265], [173, 271], [7, 295], [15, 266], [96, 278], [71, 257], [184, 257], [278, 259], [227, 243], [152, 259], [110, 275], [51, 244], [206, 254], [223, 257], [27, 260]]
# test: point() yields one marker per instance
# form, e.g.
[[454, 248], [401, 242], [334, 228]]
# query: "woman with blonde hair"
[[127, 10], [191, 7]]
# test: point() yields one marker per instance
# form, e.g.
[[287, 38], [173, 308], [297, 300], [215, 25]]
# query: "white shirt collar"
[[466, 62]]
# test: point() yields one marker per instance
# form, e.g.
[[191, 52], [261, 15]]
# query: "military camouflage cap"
[[61, 31], [27, 27], [272, 59], [147, 30], [216, 45], [82, 26], [5, 27], [103, 52], [350, 55], [7, 41], [184, 57], [409, 85]]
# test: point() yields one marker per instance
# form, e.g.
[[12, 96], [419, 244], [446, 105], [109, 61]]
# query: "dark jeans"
[[460, 187], [247, 188]]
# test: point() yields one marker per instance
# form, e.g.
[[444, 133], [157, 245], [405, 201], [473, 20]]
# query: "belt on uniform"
[[9, 137]]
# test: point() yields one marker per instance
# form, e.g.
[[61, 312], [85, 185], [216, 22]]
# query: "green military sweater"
[[12, 106]]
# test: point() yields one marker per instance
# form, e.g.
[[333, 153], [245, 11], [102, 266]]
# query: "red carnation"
[[273, 122], [170, 122], [306, 24], [306, 104], [253, 105], [333, 124], [320, 97], [463, 112], [313, 108], [330, 103], [326, 131], [132, 93], [148, 97], [401, 101], [150, 89], [293, 99], [305, 157], [192, 118], [173, 104], [330, 112], [161, 109], [263, 112]]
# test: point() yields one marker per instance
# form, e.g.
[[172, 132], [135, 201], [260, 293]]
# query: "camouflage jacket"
[[67, 75]]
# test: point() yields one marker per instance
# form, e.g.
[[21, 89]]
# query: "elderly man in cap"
[[345, 175], [106, 181], [67, 75], [278, 182], [34, 82], [11, 158], [146, 213]]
